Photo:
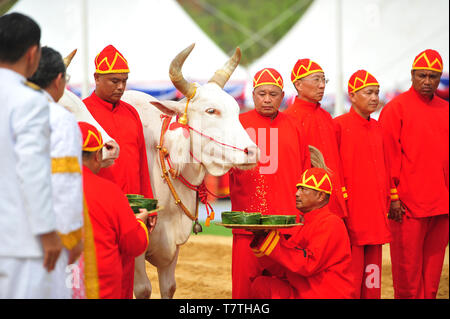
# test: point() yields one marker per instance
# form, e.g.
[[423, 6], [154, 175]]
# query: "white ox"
[[217, 143], [215, 114]]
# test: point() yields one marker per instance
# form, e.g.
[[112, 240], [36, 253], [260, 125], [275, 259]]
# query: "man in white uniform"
[[65, 152], [29, 243]]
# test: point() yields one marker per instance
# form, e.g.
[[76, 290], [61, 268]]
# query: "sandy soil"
[[204, 271]]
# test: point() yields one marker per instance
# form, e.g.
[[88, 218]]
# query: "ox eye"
[[212, 111]]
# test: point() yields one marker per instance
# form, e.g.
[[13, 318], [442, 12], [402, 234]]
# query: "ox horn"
[[223, 75], [69, 58], [176, 76]]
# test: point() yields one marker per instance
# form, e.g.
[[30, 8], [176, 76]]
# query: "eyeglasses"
[[317, 80], [67, 77]]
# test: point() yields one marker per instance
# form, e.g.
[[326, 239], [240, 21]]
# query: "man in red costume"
[[121, 121], [416, 128], [315, 261], [309, 81], [366, 174], [117, 232], [269, 187]]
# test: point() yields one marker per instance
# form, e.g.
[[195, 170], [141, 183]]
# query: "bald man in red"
[[313, 263], [309, 81], [117, 232], [366, 174], [121, 121], [416, 128], [269, 187]]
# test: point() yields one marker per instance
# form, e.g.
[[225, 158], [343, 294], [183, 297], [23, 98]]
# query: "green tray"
[[278, 219], [133, 196], [257, 227], [147, 203], [246, 218], [227, 217]]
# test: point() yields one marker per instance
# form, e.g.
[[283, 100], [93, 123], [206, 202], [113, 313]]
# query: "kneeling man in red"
[[313, 263], [118, 234]]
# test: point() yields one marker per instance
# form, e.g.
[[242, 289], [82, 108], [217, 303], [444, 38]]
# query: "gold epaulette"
[[33, 86]]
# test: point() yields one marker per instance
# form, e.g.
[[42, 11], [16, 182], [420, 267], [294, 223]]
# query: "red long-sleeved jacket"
[[320, 131], [417, 139], [366, 176], [117, 233], [121, 121], [316, 260], [269, 188]]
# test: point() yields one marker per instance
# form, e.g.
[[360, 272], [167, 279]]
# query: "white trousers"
[[24, 278], [61, 281]]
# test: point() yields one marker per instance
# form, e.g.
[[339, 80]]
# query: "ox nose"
[[252, 152]]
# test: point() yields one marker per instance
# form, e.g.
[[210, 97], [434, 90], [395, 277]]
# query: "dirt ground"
[[204, 271]]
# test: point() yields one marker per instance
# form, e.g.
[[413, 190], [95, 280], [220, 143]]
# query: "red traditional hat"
[[428, 60], [304, 67], [92, 138], [268, 76], [316, 178], [360, 79], [109, 60]]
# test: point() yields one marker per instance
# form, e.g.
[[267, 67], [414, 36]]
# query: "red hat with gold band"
[[267, 76], [92, 138], [110, 60], [316, 178], [304, 67], [428, 60], [361, 79]]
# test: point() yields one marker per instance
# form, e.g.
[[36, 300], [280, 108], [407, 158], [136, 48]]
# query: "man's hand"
[[75, 252], [150, 221], [259, 236], [396, 211], [52, 246], [143, 215]]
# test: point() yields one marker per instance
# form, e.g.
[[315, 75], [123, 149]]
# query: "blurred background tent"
[[381, 36], [149, 33]]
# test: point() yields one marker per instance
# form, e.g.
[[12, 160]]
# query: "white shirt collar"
[[13, 75], [48, 96]]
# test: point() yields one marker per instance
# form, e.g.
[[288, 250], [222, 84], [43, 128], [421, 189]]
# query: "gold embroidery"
[[65, 165], [71, 239], [90, 260], [272, 245]]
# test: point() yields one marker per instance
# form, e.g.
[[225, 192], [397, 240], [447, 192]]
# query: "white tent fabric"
[[380, 36], [149, 33]]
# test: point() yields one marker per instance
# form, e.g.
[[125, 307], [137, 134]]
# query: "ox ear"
[[170, 108]]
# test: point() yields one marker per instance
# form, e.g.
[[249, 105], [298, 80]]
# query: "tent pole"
[[339, 98], [85, 49]]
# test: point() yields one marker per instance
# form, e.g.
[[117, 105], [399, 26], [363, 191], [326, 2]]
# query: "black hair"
[[18, 33], [86, 154], [50, 65]]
